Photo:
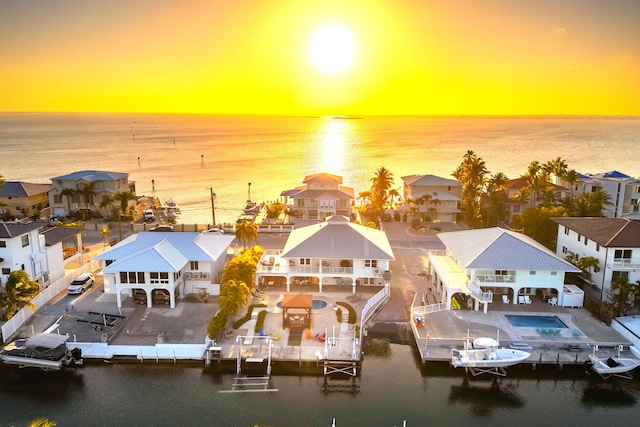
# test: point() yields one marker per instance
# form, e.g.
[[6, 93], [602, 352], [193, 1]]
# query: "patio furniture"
[[521, 300], [505, 299], [527, 300], [553, 301]]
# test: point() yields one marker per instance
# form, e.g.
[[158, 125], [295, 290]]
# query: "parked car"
[[81, 284], [214, 231], [148, 215], [158, 296], [386, 217]]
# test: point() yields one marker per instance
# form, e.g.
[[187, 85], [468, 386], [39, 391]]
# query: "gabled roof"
[[323, 177], [320, 194], [337, 238], [607, 232], [522, 182], [156, 250], [9, 230], [91, 176], [23, 189], [500, 249], [55, 235], [430, 181]]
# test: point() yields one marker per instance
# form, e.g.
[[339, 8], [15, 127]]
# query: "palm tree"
[[394, 194], [233, 295], [123, 197], [589, 263], [472, 175], [87, 193], [68, 193], [3, 207], [597, 201], [571, 178], [105, 203], [42, 422], [364, 196], [246, 232], [522, 196], [18, 292], [380, 185]]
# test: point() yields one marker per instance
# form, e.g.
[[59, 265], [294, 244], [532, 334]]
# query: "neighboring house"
[[614, 242], [66, 193], [24, 198], [335, 252], [434, 197], [63, 245], [180, 263], [493, 261], [516, 206], [321, 196], [623, 190]]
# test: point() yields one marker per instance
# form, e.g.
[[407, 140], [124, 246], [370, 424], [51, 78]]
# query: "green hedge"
[[247, 316], [260, 321], [352, 312]]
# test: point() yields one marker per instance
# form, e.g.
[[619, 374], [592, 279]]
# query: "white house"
[[614, 242], [180, 263], [65, 195], [437, 197], [623, 189], [335, 252], [321, 195], [28, 247], [493, 261]]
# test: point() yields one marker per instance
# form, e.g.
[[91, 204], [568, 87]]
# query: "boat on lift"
[[251, 207], [46, 351], [613, 366], [484, 355]]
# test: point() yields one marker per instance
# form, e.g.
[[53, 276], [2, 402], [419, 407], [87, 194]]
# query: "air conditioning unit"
[[376, 271]]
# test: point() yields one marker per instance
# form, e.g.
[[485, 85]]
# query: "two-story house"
[[614, 242], [623, 190], [179, 263], [434, 197], [493, 261], [86, 189], [516, 205], [321, 196], [24, 199], [335, 253]]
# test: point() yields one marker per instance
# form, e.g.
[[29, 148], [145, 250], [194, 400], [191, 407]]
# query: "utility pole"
[[213, 207]]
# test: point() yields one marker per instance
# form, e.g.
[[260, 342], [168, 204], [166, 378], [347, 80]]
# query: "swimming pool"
[[535, 321], [316, 304]]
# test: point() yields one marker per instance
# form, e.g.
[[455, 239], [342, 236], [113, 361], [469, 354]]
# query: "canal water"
[[392, 388]]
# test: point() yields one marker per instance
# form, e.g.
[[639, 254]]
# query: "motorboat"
[[47, 351], [170, 205], [485, 355], [251, 207], [613, 366]]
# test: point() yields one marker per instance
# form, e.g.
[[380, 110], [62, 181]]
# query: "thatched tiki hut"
[[296, 311]]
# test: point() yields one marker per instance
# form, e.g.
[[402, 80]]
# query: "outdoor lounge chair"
[[505, 299], [553, 301], [521, 300], [527, 300]]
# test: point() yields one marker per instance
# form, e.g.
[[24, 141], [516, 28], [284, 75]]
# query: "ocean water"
[[188, 155]]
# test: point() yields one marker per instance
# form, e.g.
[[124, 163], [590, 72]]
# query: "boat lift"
[[252, 383]]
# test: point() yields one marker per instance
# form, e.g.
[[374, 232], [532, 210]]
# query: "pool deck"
[[444, 330]]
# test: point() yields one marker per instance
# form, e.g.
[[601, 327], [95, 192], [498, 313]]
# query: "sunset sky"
[[253, 57]]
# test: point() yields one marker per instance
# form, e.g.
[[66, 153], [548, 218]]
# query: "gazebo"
[[296, 311]]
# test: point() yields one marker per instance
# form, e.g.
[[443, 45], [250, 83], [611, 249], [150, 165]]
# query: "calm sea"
[[274, 154], [188, 155]]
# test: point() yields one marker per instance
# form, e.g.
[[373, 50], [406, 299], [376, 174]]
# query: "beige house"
[[66, 195], [24, 199], [434, 197], [321, 196], [516, 206]]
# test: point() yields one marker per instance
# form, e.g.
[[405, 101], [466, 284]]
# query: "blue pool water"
[[316, 304], [535, 321]]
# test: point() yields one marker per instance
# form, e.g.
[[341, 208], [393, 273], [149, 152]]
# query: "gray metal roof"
[[430, 181], [337, 238], [500, 249], [607, 232], [23, 189], [13, 229], [92, 176]]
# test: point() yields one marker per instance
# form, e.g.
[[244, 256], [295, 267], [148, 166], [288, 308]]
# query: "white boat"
[[171, 205], [485, 355], [45, 351], [613, 366], [251, 207]]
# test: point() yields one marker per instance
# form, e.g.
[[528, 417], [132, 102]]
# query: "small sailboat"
[[251, 207]]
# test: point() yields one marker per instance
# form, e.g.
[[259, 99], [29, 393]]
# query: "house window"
[[141, 277], [124, 277], [132, 277], [368, 281], [622, 274], [57, 199], [6, 271], [597, 247], [564, 250], [108, 262], [579, 237], [25, 240], [194, 265], [622, 254], [566, 231], [301, 203], [586, 240], [532, 273], [516, 208], [3, 244], [159, 277], [371, 263], [554, 273], [305, 261], [500, 272]]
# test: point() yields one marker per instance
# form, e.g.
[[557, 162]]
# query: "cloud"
[[560, 31]]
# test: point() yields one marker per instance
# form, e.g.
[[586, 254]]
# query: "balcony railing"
[[477, 292], [625, 263], [489, 279], [336, 270]]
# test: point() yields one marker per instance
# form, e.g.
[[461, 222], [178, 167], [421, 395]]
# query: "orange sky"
[[251, 57]]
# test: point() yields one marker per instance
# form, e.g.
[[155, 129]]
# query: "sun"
[[332, 49]]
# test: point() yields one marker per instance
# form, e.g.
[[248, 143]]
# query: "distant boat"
[[45, 351], [251, 207], [169, 203], [486, 356]]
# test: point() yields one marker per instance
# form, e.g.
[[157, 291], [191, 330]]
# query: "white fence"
[[173, 352], [372, 305], [21, 317]]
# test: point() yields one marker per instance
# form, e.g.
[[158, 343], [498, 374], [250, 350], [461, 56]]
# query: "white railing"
[[372, 305], [21, 317], [477, 293], [625, 263], [336, 270], [495, 278], [431, 308], [304, 269]]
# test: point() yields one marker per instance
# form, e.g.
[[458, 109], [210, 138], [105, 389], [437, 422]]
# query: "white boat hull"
[[487, 358], [622, 365]]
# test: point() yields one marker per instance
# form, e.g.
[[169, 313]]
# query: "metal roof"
[[23, 189], [337, 238], [162, 257], [500, 249], [92, 176], [430, 180], [13, 229]]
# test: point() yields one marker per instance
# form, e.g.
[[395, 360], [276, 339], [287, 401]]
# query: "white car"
[[148, 215], [81, 284], [214, 231]]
